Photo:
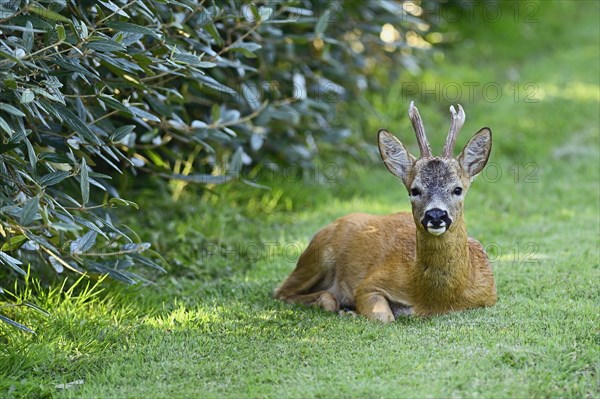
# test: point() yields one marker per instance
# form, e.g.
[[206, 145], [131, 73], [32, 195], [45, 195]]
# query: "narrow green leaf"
[[53, 178], [100, 175], [148, 262], [83, 243], [247, 49], [235, 164], [215, 113], [15, 324], [33, 158], [66, 227], [143, 61], [74, 66], [40, 240], [120, 201], [36, 307], [77, 124], [5, 126], [83, 32], [112, 272], [121, 66], [10, 57], [11, 109], [199, 178], [265, 13], [108, 161], [213, 84], [181, 4], [60, 32], [84, 182], [27, 96], [28, 37], [54, 157], [106, 222], [48, 14], [115, 104], [23, 28], [121, 133], [13, 243], [144, 114], [323, 22], [114, 8], [249, 46], [56, 264], [89, 225], [189, 59], [141, 247], [12, 262], [131, 28], [105, 45], [20, 133], [46, 94], [29, 211], [212, 30]]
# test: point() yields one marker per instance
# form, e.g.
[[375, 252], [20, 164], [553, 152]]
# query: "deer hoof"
[[328, 302], [348, 312], [384, 317]]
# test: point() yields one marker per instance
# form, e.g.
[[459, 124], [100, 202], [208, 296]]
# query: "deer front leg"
[[374, 295], [374, 306]]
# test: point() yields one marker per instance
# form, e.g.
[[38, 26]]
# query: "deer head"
[[436, 185]]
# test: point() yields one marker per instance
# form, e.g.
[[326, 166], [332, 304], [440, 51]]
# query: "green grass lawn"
[[210, 328]]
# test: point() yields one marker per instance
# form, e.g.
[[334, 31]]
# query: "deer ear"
[[475, 155], [395, 156]]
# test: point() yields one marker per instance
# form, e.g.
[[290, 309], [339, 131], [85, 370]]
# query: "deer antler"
[[417, 123], [456, 123]]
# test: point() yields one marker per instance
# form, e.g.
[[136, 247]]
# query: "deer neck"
[[442, 262]]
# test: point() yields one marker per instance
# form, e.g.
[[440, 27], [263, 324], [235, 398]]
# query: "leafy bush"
[[184, 90]]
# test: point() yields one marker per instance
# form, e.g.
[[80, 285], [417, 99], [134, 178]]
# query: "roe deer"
[[384, 266]]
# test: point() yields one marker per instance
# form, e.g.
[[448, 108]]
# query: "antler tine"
[[456, 123], [417, 124]]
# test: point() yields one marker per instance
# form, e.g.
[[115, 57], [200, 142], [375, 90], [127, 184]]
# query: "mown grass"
[[210, 328]]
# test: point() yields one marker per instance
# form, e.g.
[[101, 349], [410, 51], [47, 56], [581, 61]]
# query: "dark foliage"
[[184, 90]]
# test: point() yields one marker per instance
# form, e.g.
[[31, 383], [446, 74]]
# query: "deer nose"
[[436, 218], [436, 215]]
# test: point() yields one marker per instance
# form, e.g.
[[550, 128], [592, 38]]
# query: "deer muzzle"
[[436, 221]]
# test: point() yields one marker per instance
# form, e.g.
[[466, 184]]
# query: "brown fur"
[[384, 265], [367, 261]]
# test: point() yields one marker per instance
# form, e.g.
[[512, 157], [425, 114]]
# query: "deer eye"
[[415, 192], [457, 191]]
